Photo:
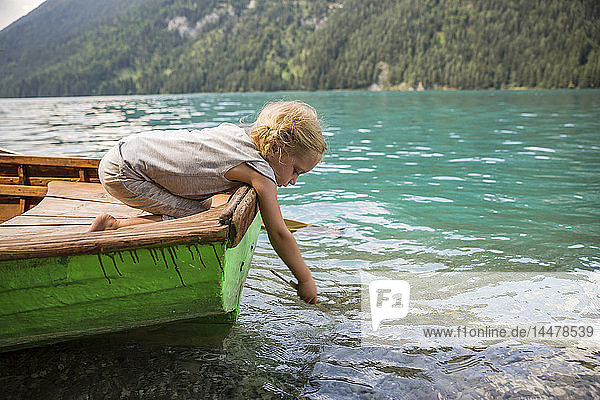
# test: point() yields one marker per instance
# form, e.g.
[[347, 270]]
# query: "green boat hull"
[[44, 300]]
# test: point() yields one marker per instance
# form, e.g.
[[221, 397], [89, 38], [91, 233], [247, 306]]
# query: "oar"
[[292, 225], [7, 151], [294, 285]]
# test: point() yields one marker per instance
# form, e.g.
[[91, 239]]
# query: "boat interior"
[[47, 204]]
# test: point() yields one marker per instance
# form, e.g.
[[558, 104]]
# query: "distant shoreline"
[[367, 90]]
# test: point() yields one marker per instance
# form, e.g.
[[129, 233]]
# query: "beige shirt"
[[191, 164]]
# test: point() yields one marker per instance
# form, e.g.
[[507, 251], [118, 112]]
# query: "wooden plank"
[[22, 190], [56, 220], [77, 162], [9, 180], [53, 171], [50, 207], [80, 191], [22, 172], [18, 231], [8, 170], [22, 205], [83, 175], [9, 210], [43, 181]]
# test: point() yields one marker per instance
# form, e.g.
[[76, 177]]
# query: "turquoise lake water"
[[487, 203]]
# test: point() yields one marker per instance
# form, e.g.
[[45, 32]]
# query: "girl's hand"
[[307, 291]]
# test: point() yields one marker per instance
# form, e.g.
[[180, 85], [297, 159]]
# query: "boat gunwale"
[[70, 162]]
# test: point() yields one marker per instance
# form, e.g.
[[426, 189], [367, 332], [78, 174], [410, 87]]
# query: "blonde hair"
[[290, 126]]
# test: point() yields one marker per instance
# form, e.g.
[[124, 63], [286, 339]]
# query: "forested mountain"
[[84, 47]]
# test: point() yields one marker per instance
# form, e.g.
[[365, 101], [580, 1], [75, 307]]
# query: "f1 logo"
[[388, 299]]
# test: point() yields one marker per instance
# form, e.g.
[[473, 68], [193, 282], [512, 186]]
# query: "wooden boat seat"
[[58, 224]]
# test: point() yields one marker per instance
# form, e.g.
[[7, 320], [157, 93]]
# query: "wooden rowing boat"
[[58, 282]]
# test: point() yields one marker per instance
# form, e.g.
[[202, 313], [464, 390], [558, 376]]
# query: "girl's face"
[[287, 167]]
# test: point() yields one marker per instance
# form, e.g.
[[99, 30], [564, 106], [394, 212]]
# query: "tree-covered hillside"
[[80, 47]]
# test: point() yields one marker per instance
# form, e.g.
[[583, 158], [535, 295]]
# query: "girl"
[[175, 175]]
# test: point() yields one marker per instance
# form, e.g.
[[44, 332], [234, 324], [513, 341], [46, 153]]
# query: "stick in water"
[[294, 285]]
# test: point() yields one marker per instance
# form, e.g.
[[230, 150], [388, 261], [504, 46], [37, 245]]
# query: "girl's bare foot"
[[104, 222]]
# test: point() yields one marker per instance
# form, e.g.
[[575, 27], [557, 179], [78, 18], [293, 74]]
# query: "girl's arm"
[[279, 235]]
